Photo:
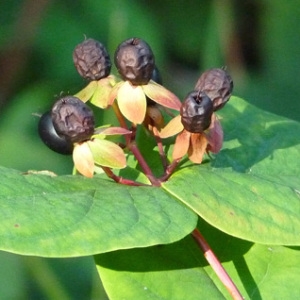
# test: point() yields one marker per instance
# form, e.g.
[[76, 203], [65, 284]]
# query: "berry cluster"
[[137, 98]]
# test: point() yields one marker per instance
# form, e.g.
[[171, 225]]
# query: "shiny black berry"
[[91, 60], [135, 61], [217, 84], [73, 119], [196, 112], [50, 137]]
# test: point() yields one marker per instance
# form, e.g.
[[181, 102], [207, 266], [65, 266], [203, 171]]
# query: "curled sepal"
[[132, 102], [83, 159], [86, 93], [103, 130], [172, 128], [161, 95], [107, 154], [182, 144], [100, 98], [214, 135], [198, 144]]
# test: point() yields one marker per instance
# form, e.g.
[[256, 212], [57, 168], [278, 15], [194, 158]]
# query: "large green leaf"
[[179, 270], [75, 216], [161, 272], [251, 189]]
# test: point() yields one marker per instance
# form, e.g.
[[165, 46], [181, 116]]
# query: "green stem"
[[45, 278], [217, 266]]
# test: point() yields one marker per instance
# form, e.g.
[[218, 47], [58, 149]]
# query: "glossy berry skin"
[[218, 86], [91, 60], [73, 119], [134, 60], [50, 137], [196, 112]]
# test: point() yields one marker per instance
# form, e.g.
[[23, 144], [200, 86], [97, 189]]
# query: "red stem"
[[120, 179], [160, 148], [170, 169], [217, 266], [130, 142]]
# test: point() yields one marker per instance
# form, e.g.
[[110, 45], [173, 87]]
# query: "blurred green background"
[[258, 41]]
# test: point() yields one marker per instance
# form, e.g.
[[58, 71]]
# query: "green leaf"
[[259, 271], [251, 189], [161, 272], [76, 216], [179, 270]]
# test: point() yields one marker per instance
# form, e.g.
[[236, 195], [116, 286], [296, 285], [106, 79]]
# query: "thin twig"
[[169, 170], [131, 145], [217, 266], [120, 179], [160, 148]]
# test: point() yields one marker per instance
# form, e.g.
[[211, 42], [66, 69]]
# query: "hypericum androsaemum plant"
[[171, 181]]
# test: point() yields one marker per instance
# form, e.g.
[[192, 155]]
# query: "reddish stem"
[[120, 179], [130, 142], [146, 169], [170, 169], [217, 266], [160, 148]]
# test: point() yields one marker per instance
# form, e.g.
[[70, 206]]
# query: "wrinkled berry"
[[135, 61], [73, 119], [91, 60], [50, 137], [196, 112], [218, 86]]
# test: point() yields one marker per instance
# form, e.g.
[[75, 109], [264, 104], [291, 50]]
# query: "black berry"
[[91, 60], [196, 111], [135, 61], [218, 86], [50, 137], [73, 119]]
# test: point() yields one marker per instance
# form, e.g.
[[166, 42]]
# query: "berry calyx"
[[196, 112], [50, 137], [157, 78], [134, 60], [73, 119], [217, 84], [91, 60]]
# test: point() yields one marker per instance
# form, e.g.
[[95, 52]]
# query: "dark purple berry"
[[135, 61], [91, 60], [73, 119], [50, 137], [196, 112], [218, 86]]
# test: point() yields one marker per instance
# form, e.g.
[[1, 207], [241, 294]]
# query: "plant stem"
[[131, 145], [45, 278], [146, 169], [170, 169], [120, 179], [217, 266], [160, 148]]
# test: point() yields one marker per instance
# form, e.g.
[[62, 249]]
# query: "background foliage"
[[256, 40]]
